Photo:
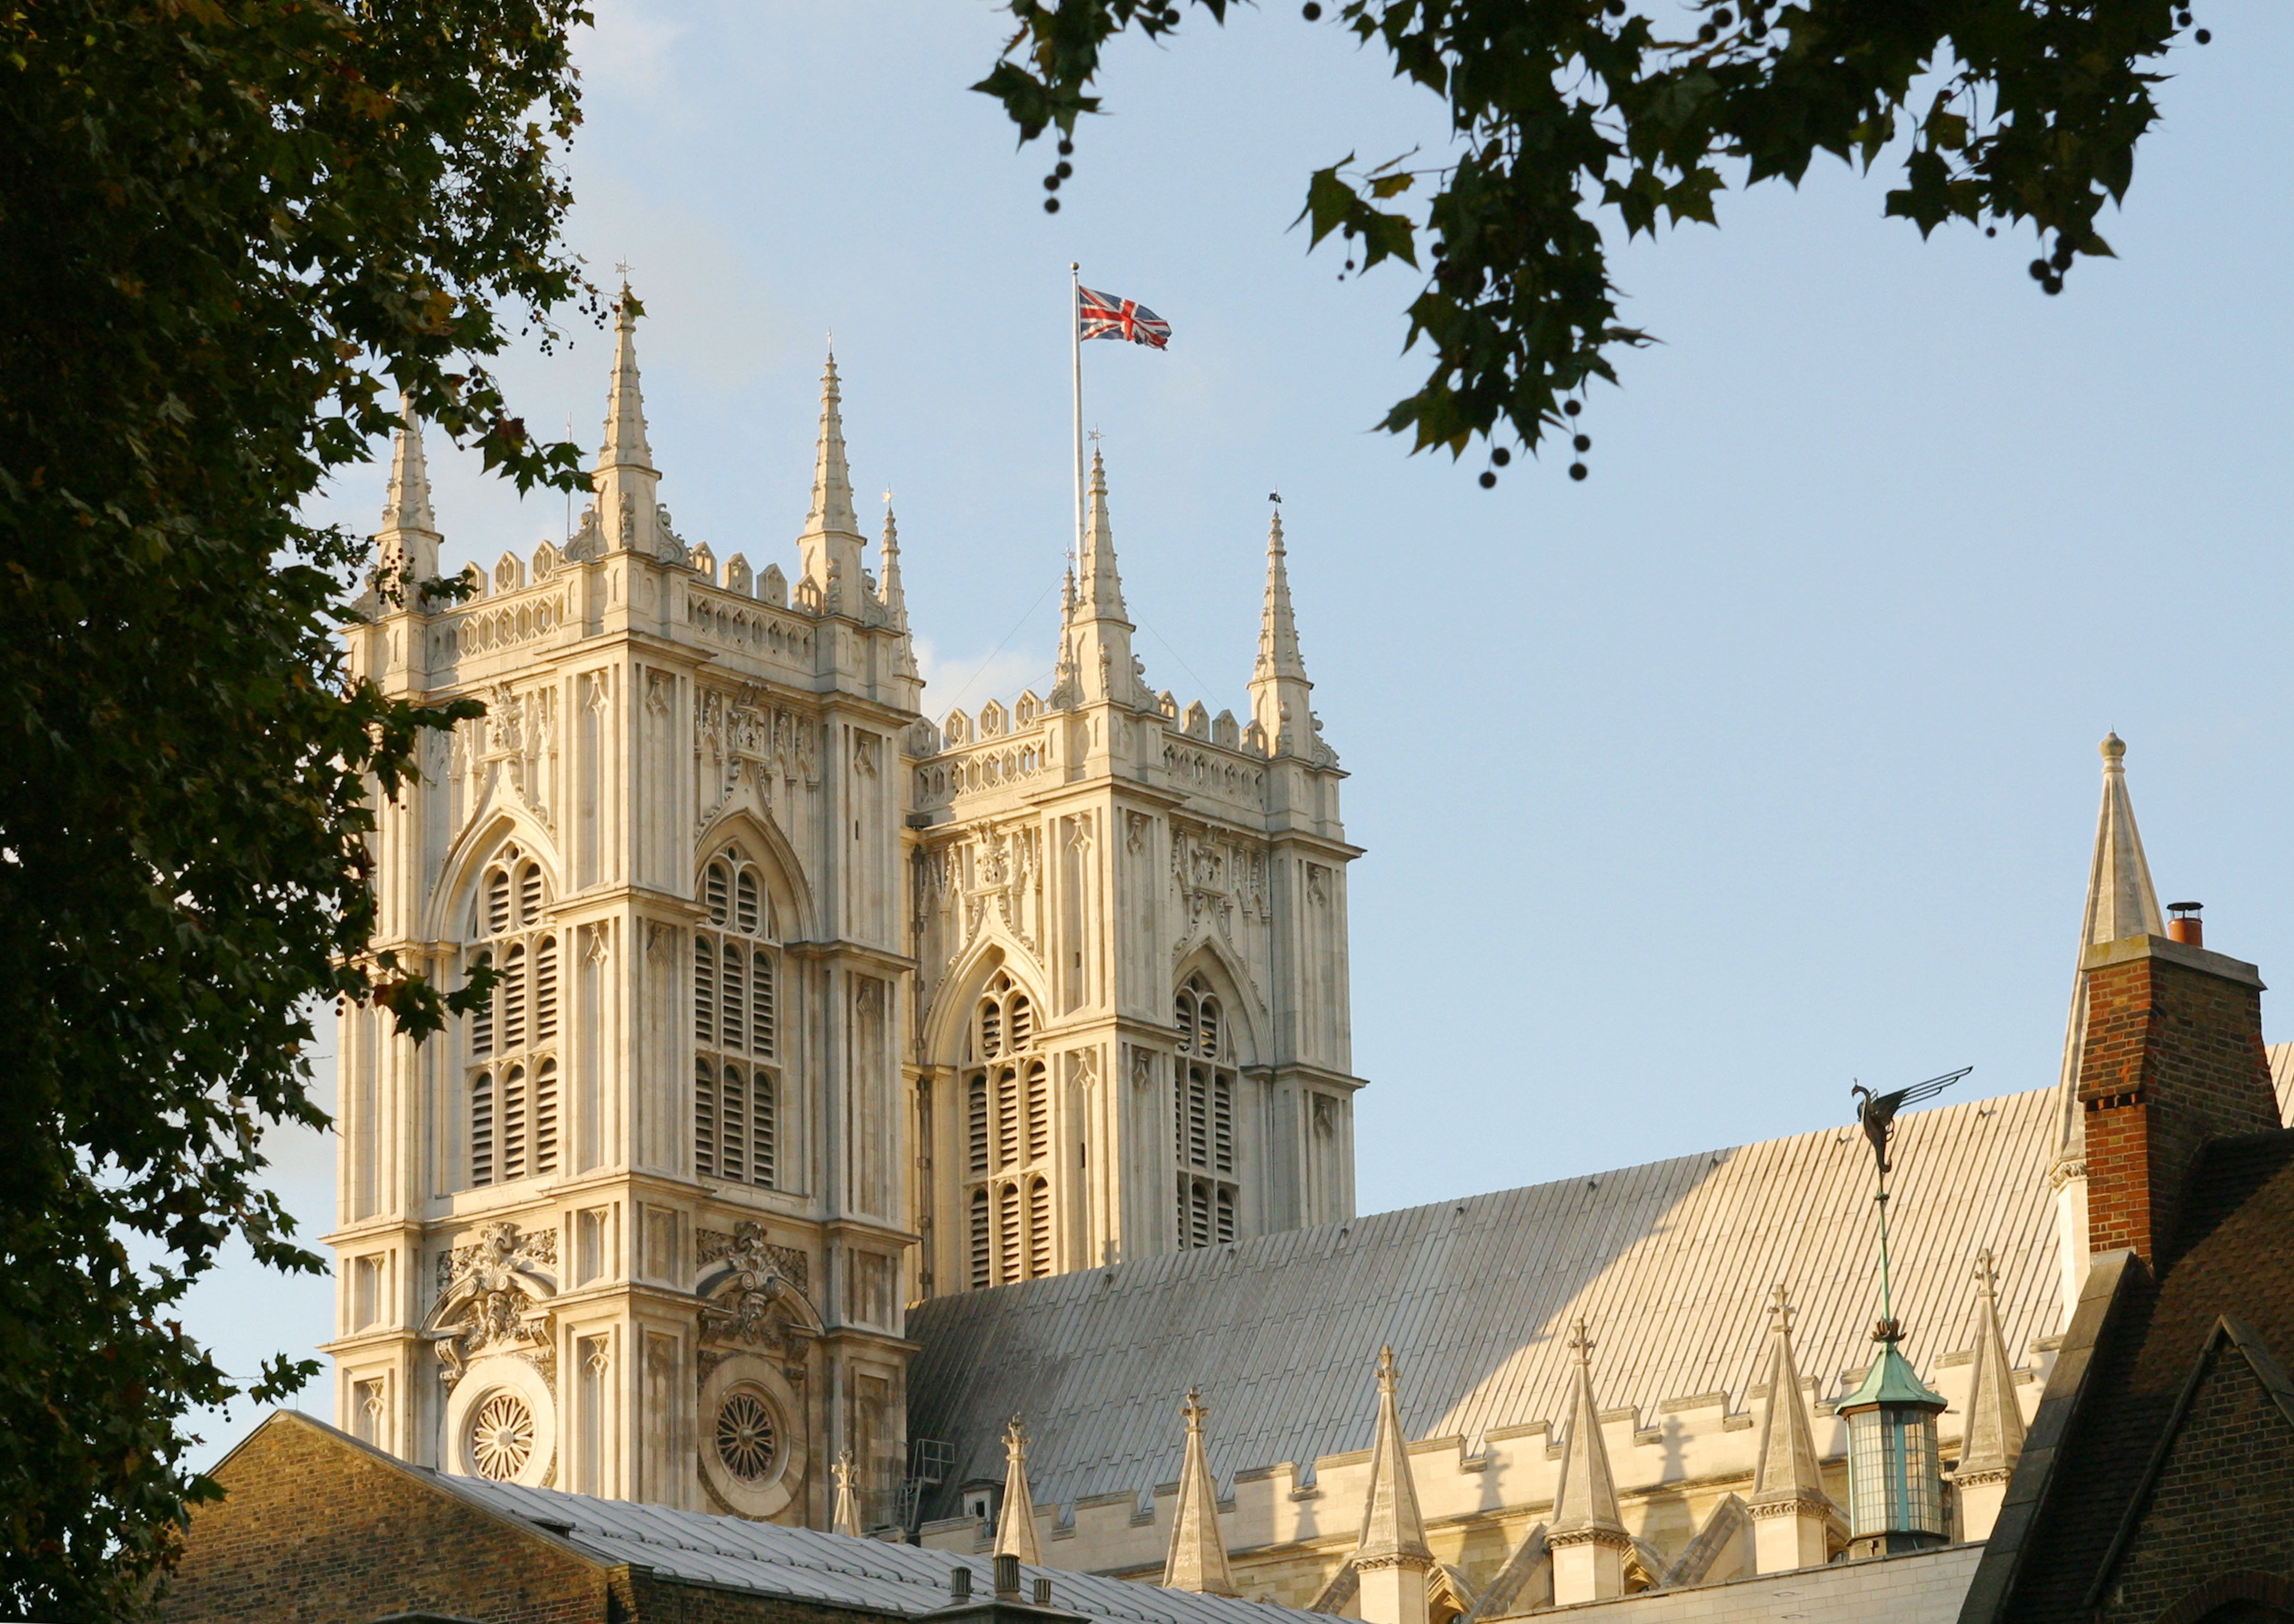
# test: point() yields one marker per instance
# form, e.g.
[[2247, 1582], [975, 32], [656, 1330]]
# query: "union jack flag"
[[1105, 316]]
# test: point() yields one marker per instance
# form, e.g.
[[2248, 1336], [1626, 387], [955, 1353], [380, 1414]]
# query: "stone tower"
[[645, 1226], [1131, 937], [638, 1230]]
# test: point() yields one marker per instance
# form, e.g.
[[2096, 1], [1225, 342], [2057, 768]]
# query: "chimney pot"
[[1007, 1576], [1042, 1592], [2186, 927]]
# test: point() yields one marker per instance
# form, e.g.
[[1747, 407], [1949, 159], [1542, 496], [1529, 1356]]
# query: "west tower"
[[1131, 933], [646, 1227], [638, 1229]]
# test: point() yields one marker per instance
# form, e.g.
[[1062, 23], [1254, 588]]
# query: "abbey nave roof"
[[1672, 1264]]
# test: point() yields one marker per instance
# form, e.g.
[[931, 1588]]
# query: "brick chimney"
[[2172, 1058]]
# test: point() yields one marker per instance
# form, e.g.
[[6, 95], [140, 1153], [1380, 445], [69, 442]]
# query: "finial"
[[1780, 1309], [1987, 1277], [1194, 1409], [1389, 1371], [2113, 747], [1582, 1344]]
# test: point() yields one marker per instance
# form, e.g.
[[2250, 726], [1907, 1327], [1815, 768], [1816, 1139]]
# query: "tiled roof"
[[831, 1568], [1671, 1262], [2136, 1342]]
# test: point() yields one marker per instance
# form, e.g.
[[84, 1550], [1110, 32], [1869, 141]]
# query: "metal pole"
[[1075, 351]]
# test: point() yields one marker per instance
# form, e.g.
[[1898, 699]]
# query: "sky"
[[1762, 760]]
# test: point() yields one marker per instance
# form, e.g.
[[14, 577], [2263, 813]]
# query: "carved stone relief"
[[494, 1297]]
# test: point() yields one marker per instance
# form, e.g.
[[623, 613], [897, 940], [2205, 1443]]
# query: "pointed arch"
[[447, 913], [1245, 1044], [762, 838], [942, 1027]]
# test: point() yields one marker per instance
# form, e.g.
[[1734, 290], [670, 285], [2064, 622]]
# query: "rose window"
[[745, 1440], [501, 1437]]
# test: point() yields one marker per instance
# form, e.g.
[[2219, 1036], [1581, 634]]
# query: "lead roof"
[[1671, 1263]]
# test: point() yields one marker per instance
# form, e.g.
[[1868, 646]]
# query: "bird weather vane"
[[1877, 1113]]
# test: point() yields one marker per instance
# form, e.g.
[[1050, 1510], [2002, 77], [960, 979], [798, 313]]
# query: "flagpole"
[[1075, 353]]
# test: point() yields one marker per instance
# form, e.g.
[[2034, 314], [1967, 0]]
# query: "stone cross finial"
[[1388, 1372], [1194, 1409], [1781, 1310], [1987, 1277], [1582, 1344]]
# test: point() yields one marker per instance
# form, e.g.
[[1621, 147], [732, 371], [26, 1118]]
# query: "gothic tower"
[[638, 1229], [1133, 1031], [645, 1226]]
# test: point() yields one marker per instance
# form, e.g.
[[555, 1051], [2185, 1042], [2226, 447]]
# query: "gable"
[[2220, 1494], [316, 1526]]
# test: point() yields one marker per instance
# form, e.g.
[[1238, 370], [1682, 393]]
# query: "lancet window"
[[736, 1026], [1205, 1085], [1007, 1127], [511, 1042]]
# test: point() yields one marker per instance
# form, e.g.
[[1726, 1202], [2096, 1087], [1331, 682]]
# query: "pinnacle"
[[1197, 1559], [1101, 584], [1016, 1527], [832, 479], [1785, 1467], [1587, 1497], [1392, 1524], [1995, 1419], [625, 443], [408, 505]]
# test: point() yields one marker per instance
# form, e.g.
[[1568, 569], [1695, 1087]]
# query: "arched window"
[[509, 1043], [1008, 1165], [736, 1026], [1204, 1086]]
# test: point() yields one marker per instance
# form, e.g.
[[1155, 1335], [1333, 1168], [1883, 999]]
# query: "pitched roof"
[[2126, 1366], [1673, 1263], [831, 1568]]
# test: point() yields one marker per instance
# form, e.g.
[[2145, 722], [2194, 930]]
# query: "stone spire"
[[1102, 629], [830, 546], [1279, 688], [1588, 1536], [1197, 1560], [2120, 902], [1790, 1509], [1993, 1439], [625, 478], [890, 593], [1392, 1559], [1015, 1523], [406, 547], [847, 1519]]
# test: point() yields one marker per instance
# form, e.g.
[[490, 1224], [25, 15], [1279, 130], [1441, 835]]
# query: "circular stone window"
[[747, 1441], [501, 1437], [500, 1424], [753, 1437]]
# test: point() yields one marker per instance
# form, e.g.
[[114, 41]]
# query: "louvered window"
[[1040, 1227], [736, 1026], [980, 1250], [1011, 1177], [1007, 1238], [511, 1042], [1205, 1126]]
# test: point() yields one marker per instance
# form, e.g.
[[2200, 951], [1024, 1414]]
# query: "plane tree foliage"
[[232, 233], [1568, 115]]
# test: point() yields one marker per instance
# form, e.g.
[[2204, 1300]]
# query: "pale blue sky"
[[1763, 758]]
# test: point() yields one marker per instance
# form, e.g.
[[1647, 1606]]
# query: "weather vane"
[[1877, 1115]]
